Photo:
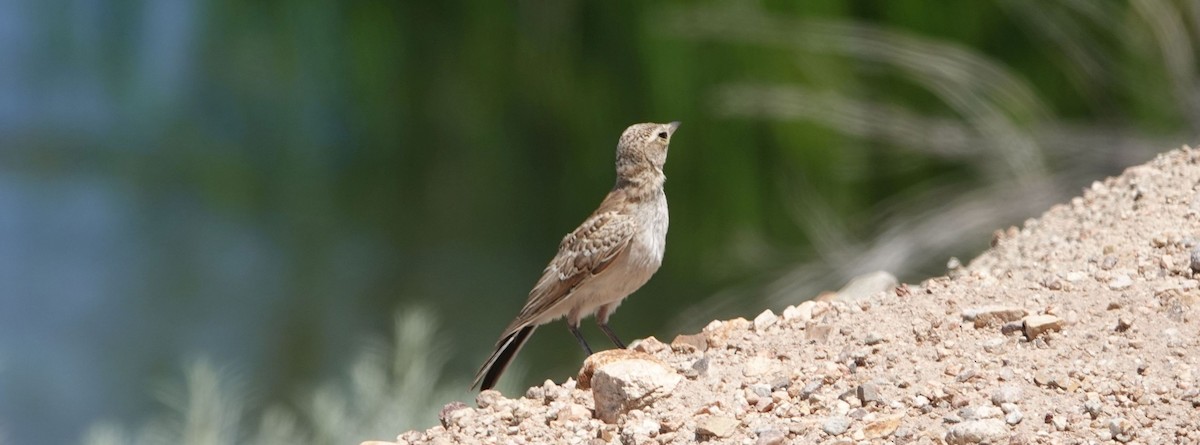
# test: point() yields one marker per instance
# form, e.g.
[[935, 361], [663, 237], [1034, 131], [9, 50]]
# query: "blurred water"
[[265, 183]]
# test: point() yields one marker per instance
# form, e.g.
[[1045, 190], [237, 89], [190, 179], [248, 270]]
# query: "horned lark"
[[612, 254]]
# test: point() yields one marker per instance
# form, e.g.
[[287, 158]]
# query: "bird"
[[609, 256]]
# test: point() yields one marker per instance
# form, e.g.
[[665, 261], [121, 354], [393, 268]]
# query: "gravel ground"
[[1076, 328]]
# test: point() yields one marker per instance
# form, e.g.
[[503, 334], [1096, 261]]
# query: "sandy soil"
[[1076, 328]]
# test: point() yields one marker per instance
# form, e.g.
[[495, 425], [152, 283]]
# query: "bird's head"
[[644, 147]]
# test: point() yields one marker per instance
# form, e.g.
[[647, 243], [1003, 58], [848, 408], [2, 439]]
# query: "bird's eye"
[[662, 135]]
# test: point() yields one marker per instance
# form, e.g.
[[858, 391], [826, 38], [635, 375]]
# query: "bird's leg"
[[574, 327], [602, 321]]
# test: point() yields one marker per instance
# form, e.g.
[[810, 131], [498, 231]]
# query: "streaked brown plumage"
[[612, 254]]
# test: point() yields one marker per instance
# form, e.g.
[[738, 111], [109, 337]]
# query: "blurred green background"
[[308, 221]]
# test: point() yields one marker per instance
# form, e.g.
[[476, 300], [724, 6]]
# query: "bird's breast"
[[651, 241]]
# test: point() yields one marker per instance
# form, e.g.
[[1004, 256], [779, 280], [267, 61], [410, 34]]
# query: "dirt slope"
[[1076, 328]]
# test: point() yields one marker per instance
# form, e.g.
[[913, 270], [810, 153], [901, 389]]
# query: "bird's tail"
[[506, 349]]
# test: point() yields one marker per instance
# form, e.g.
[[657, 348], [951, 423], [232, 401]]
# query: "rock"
[[866, 286], [868, 392], [993, 315], [1037, 325], [835, 426], [977, 431], [1059, 423], [1120, 281], [873, 339], [802, 313], [1013, 415], [817, 333], [1006, 394], [1123, 324], [619, 386], [1093, 407], [765, 320], [1121, 429], [639, 430], [447, 417], [980, 412], [1042, 378], [649, 345], [595, 361], [572, 412], [771, 436], [698, 368], [882, 428], [488, 398], [811, 388], [454, 413], [694, 342], [717, 426], [1194, 263]]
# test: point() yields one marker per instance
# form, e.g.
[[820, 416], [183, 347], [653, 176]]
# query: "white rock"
[[977, 431], [1119, 282], [980, 412], [1006, 394], [636, 429], [621, 386], [1121, 429], [1075, 276], [765, 320], [1014, 416], [801, 313], [718, 426], [836, 425]]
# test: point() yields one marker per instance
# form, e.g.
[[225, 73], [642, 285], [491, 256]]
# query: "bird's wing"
[[583, 253]]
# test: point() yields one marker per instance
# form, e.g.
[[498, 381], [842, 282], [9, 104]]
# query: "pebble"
[[811, 388], [573, 412], [835, 426], [1121, 429], [637, 429], [980, 412], [695, 342], [649, 345], [993, 315], [1195, 259], [1013, 414], [698, 368], [771, 436], [717, 426], [802, 312], [868, 392], [1037, 325], [873, 339], [1059, 423], [765, 320], [819, 333], [446, 415], [977, 431], [1123, 324], [1120, 281], [1006, 394], [1075, 276]]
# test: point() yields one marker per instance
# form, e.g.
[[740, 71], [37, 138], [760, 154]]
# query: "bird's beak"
[[674, 126]]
